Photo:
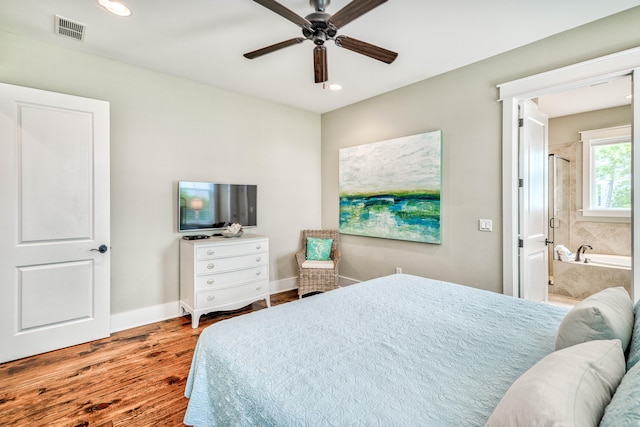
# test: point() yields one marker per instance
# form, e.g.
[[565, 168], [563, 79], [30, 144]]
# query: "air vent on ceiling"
[[68, 28]]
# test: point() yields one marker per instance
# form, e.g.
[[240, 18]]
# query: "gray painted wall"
[[463, 104], [165, 129]]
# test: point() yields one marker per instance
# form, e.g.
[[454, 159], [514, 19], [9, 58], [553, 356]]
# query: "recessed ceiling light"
[[115, 7], [331, 86]]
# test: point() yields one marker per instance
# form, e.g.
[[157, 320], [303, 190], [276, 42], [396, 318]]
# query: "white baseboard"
[[282, 285], [346, 281], [171, 310], [144, 316]]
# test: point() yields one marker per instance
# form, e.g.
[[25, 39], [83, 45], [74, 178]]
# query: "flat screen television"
[[206, 206]]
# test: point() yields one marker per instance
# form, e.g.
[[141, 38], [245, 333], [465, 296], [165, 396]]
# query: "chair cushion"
[[570, 387], [317, 264], [319, 249], [605, 315]]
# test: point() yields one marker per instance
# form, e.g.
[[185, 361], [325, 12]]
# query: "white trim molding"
[[572, 76], [282, 285], [590, 139], [144, 316], [346, 281], [635, 193]]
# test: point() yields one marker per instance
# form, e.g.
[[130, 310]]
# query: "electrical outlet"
[[398, 270]]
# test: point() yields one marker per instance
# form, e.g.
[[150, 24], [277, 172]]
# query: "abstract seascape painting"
[[391, 189]]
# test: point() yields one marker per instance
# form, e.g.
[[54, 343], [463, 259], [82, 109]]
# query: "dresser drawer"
[[226, 264], [230, 278], [218, 297], [217, 251]]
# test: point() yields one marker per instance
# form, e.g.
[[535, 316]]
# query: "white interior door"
[[534, 215], [54, 185]]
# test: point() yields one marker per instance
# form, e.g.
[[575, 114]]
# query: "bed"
[[399, 350]]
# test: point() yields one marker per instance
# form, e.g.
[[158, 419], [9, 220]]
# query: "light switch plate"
[[485, 225]]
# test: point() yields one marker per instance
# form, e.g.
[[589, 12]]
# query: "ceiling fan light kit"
[[320, 26]]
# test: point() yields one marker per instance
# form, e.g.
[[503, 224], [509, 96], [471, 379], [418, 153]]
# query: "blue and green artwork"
[[391, 189]]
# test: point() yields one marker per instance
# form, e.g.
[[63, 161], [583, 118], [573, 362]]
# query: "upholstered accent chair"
[[318, 275]]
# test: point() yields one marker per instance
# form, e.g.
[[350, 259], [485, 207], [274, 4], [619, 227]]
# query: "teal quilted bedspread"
[[400, 350]]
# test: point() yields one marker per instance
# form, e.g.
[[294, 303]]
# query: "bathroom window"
[[606, 170]]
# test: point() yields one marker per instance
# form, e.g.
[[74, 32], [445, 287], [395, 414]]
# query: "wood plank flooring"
[[133, 378]]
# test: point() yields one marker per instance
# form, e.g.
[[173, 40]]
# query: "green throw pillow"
[[319, 249]]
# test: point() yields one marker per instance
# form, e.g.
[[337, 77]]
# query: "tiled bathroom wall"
[[610, 236]]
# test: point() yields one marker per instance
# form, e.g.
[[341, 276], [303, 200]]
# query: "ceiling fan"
[[321, 26]]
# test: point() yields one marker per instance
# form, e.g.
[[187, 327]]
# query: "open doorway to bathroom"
[[512, 94], [593, 224]]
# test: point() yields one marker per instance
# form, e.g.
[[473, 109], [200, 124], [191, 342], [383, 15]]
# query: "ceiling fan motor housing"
[[320, 30]]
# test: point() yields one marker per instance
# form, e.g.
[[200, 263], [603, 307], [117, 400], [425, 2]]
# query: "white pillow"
[[605, 315], [570, 387]]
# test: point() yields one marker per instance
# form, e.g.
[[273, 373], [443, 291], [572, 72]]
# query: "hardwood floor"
[[133, 378]]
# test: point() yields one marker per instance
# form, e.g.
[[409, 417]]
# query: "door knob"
[[548, 242], [102, 249]]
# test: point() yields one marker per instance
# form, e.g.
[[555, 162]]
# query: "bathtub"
[[580, 279], [615, 261]]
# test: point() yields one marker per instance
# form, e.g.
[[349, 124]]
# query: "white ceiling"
[[612, 93], [204, 40]]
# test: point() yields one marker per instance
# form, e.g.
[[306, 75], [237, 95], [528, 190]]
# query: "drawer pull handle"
[[211, 252], [258, 259], [210, 282], [258, 246], [210, 298], [211, 266], [258, 273], [258, 288]]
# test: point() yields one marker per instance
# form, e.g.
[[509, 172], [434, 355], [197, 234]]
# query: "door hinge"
[[520, 182], [520, 243], [520, 123]]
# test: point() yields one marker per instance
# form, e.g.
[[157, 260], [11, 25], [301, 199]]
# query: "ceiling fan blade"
[[320, 71], [276, 7], [273, 47], [367, 49], [352, 11]]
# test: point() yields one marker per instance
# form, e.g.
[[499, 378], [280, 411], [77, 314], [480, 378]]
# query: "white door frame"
[[560, 80]]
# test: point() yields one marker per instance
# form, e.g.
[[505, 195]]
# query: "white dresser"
[[221, 273]]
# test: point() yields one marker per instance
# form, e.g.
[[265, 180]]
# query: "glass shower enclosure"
[[559, 205]]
